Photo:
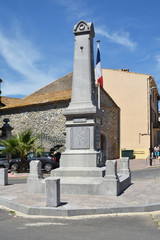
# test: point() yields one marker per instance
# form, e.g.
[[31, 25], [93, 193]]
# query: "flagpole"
[[99, 96], [99, 91]]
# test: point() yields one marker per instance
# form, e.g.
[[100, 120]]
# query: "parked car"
[[3, 159], [47, 159]]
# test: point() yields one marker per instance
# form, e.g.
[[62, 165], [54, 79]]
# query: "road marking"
[[39, 224]]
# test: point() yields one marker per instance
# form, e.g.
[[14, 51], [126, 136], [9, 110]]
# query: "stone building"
[[41, 112]]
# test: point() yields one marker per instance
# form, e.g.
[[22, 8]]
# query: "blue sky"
[[37, 41]]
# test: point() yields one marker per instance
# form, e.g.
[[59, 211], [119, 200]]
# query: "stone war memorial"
[[79, 172]]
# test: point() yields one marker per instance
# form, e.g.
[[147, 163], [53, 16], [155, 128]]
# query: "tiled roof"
[[61, 84], [8, 100], [40, 99]]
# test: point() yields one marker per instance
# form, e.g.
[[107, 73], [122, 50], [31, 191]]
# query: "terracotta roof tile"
[[8, 100], [61, 84], [41, 99]]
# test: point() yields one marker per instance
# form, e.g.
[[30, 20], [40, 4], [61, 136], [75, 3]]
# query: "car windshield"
[[43, 154], [3, 155], [30, 155]]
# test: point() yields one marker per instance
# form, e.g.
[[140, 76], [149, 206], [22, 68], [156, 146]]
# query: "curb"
[[50, 211]]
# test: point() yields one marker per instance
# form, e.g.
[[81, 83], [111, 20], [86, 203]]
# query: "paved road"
[[111, 227], [121, 227], [17, 180], [146, 174]]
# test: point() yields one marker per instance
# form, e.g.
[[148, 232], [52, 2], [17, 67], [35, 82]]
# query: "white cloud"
[[121, 38], [76, 8], [22, 57]]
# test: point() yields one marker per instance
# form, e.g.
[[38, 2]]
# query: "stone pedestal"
[[52, 186], [3, 176], [35, 182], [124, 166], [110, 184]]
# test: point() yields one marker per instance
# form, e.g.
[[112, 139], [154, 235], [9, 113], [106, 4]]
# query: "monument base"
[[81, 185], [79, 173], [102, 181], [79, 158]]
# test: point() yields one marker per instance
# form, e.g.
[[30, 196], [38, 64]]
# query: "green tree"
[[22, 143]]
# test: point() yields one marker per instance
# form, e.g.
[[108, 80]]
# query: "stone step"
[[80, 185], [79, 172]]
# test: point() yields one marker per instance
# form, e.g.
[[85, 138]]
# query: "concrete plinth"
[[80, 185], [35, 182], [79, 180], [52, 186], [85, 158], [79, 172], [3, 176]]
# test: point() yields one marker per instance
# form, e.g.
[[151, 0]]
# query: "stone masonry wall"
[[48, 121], [110, 125]]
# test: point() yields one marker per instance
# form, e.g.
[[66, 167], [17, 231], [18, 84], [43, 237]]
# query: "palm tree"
[[22, 143]]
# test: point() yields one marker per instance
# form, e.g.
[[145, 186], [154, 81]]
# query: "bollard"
[[3, 176], [124, 166], [35, 182], [150, 161], [111, 170], [52, 192]]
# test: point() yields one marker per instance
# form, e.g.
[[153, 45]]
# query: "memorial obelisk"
[[78, 164]]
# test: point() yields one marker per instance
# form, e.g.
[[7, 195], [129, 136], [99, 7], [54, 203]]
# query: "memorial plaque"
[[80, 138]]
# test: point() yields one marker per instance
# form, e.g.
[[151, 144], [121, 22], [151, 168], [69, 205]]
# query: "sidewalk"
[[139, 164], [139, 197]]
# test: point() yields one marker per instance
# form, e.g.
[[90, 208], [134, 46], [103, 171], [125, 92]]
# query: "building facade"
[[137, 96]]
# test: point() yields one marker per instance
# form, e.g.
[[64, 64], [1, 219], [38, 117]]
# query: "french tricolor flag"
[[99, 69]]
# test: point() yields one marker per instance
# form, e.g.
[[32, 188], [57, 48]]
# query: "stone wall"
[[110, 126], [48, 121]]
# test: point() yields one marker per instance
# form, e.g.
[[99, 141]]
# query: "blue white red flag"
[[99, 69]]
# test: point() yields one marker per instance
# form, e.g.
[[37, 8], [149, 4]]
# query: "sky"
[[37, 40]]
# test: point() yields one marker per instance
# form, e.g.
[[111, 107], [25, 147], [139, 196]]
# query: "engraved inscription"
[[80, 120], [80, 138]]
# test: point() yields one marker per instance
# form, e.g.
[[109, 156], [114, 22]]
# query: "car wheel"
[[14, 167], [48, 167]]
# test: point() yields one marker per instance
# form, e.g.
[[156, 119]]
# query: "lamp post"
[[151, 88]]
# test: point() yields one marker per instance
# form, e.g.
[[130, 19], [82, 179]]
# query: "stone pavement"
[[139, 197], [139, 164]]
